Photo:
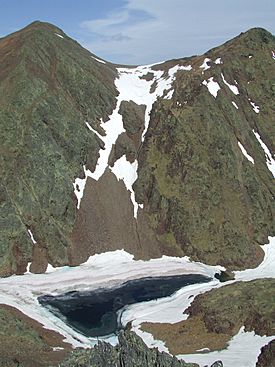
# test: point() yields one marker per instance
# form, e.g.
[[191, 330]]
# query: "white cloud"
[[103, 25], [149, 31]]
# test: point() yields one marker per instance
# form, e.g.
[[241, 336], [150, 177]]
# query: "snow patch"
[[247, 156], [93, 130], [28, 268], [55, 349], [169, 95], [203, 350], [126, 171], [99, 60], [149, 340], [233, 88], [255, 107], [218, 61], [265, 270], [213, 87], [270, 162], [273, 55], [243, 350], [235, 105], [79, 186], [205, 65], [59, 35], [31, 236]]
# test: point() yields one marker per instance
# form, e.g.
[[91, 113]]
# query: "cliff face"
[[197, 153]]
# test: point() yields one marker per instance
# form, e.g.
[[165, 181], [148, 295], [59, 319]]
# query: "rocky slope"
[[200, 193], [49, 87]]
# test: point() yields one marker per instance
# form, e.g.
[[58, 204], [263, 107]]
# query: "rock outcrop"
[[267, 356], [130, 352]]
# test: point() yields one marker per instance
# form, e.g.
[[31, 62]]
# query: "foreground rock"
[[267, 356], [131, 351]]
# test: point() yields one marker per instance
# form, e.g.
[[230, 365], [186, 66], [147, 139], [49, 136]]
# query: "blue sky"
[[142, 31]]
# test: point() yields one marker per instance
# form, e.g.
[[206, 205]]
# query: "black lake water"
[[95, 313]]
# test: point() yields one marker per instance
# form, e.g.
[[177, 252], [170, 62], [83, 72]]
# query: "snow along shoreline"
[[106, 270], [243, 349], [112, 269]]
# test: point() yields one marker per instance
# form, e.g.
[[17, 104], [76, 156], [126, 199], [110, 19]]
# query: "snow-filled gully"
[[131, 87]]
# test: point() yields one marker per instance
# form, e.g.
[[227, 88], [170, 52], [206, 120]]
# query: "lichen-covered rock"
[[26, 343], [226, 309]]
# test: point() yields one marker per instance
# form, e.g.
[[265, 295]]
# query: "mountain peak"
[[257, 34], [39, 25], [36, 27]]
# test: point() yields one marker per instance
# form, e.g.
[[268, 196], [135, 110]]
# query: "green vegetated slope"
[[49, 87], [201, 194]]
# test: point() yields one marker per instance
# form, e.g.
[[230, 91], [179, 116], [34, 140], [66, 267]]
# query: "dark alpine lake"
[[95, 313]]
